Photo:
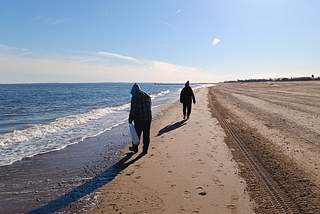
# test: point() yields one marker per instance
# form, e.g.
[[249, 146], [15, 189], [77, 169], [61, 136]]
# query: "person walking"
[[141, 114], [186, 98]]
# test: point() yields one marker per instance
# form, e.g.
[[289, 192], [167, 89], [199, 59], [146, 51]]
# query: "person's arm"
[[181, 95], [133, 109], [193, 97]]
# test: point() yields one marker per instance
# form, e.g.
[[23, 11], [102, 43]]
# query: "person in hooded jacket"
[[186, 98], [141, 114]]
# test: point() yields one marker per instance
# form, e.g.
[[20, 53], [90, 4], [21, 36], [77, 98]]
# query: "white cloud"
[[90, 67], [169, 25], [178, 11], [7, 48], [215, 41], [116, 56]]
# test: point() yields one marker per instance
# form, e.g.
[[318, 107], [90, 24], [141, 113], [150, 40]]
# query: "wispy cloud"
[[51, 21], [7, 48], [116, 56], [215, 41], [178, 11], [169, 25], [91, 67]]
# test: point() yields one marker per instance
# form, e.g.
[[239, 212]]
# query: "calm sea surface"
[[40, 118]]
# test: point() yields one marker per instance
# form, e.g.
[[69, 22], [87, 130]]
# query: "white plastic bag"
[[134, 136]]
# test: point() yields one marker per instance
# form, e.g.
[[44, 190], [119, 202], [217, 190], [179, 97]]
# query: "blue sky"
[[157, 40]]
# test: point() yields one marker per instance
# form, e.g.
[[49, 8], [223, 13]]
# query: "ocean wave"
[[40, 130], [162, 93]]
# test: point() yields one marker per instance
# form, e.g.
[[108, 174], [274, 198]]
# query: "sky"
[[171, 41]]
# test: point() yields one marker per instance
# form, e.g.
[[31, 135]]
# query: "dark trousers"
[[143, 126], [186, 109]]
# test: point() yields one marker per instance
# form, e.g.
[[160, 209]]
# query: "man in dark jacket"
[[141, 114], [186, 98]]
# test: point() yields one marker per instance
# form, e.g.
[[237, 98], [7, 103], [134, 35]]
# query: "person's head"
[[135, 89], [187, 84]]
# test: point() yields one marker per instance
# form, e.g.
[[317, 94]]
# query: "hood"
[[187, 84], [135, 89]]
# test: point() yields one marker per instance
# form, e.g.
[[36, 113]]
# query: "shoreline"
[[188, 169], [33, 183]]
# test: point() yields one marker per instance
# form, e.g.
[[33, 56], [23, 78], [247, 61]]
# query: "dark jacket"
[[187, 96], [140, 105]]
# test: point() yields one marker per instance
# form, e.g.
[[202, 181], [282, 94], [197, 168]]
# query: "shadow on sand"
[[172, 127], [88, 187]]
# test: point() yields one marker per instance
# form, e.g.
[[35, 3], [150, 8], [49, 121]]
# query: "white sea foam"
[[162, 93], [59, 133]]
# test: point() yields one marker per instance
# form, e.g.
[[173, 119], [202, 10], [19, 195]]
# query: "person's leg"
[[138, 126], [184, 110], [189, 110], [146, 136]]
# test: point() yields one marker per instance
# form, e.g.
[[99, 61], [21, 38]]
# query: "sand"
[[188, 169], [279, 123]]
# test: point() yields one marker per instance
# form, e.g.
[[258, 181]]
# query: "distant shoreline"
[[277, 79]]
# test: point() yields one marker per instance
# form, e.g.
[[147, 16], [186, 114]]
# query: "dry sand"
[[188, 169], [195, 166], [279, 123]]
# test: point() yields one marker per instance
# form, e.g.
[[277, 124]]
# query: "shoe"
[[144, 153], [184, 117], [133, 149]]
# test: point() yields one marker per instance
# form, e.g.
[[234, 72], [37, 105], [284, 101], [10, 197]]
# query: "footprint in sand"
[[234, 202], [186, 194], [201, 161], [214, 147], [209, 155], [201, 191], [195, 175], [194, 153], [217, 181], [232, 206]]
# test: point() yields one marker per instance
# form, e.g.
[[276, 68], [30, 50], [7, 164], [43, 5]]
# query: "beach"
[[188, 169], [247, 148]]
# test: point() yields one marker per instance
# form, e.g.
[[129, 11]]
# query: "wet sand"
[[53, 181], [188, 169]]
